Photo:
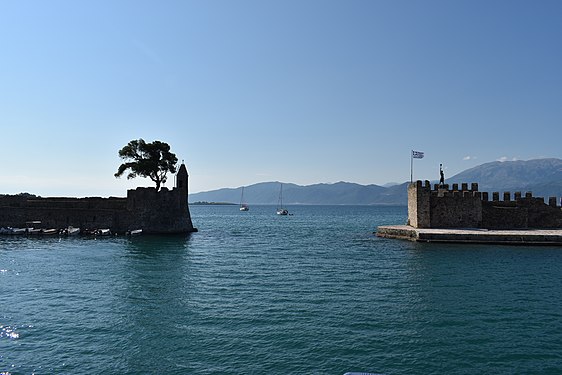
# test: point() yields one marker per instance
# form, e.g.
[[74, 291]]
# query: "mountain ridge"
[[543, 177]]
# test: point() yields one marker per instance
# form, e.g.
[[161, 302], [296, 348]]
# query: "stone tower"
[[181, 182], [419, 204]]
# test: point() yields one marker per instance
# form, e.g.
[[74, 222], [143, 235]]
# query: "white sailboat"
[[280, 209], [243, 206]]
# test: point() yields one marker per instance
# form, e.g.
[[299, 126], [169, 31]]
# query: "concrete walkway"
[[473, 235]]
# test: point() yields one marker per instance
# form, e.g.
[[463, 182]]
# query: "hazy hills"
[[541, 176], [338, 193]]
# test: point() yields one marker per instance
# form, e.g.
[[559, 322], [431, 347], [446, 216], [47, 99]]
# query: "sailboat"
[[243, 206], [280, 209]]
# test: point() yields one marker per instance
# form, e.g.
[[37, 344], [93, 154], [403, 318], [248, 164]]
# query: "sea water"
[[254, 293]]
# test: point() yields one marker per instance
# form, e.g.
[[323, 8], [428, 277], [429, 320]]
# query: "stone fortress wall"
[[164, 211], [464, 207]]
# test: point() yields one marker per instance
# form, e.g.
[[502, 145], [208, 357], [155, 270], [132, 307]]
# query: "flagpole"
[[411, 166], [418, 155]]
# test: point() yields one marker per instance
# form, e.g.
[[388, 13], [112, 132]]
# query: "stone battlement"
[[460, 207], [454, 190], [164, 211]]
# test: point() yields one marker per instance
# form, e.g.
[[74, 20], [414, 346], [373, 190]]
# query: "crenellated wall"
[[463, 207], [165, 211]]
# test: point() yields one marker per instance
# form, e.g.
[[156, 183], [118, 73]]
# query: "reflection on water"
[[151, 290], [157, 245]]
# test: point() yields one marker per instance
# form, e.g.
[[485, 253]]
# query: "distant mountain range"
[[541, 176]]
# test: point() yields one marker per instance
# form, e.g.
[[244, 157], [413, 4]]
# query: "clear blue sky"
[[295, 91]]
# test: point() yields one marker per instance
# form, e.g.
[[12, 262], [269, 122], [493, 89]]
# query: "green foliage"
[[153, 160]]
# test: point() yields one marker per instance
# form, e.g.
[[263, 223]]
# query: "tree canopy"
[[153, 160]]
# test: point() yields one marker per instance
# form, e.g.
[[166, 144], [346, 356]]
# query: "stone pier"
[[551, 237]]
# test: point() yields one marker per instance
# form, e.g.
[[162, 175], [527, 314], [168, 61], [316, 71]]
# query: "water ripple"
[[313, 293]]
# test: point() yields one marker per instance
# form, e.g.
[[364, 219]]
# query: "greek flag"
[[417, 154]]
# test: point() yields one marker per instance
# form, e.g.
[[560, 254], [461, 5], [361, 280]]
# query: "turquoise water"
[[255, 293]]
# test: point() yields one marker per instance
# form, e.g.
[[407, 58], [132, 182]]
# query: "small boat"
[[280, 209], [49, 232], [32, 227], [243, 206], [11, 231], [134, 232], [89, 232], [103, 232], [71, 231], [18, 230]]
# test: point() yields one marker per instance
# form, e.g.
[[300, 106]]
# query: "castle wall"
[[91, 213], [454, 209], [461, 207], [504, 217], [165, 211]]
